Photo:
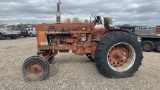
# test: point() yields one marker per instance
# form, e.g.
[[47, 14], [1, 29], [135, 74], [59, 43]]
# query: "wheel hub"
[[35, 69], [118, 56], [147, 46]]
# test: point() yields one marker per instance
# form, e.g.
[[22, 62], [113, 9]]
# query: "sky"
[[133, 12]]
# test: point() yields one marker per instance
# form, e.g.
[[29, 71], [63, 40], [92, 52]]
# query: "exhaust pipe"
[[58, 12]]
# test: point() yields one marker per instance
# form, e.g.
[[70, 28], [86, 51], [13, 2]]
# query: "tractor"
[[115, 52]]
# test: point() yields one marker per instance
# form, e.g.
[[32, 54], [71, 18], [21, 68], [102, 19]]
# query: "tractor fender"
[[113, 30], [97, 35]]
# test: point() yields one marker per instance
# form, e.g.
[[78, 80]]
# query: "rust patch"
[[118, 55], [35, 69]]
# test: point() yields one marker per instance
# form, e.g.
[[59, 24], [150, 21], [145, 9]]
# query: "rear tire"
[[13, 37], [118, 55], [25, 35], [31, 35], [35, 68], [157, 47], [147, 46]]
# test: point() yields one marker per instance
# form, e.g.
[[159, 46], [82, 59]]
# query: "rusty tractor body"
[[116, 53]]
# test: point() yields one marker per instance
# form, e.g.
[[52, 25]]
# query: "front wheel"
[[35, 68], [118, 55]]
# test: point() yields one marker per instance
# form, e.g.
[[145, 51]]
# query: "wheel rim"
[[147, 46], [121, 57], [35, 69]]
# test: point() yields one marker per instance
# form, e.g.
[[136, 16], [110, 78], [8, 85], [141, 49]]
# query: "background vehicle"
[[149, 36], [22, 31], [7, 32], [116, 53], [31, 32], [150, 40]]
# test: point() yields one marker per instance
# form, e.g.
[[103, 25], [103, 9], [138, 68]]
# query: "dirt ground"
[[70, 72]]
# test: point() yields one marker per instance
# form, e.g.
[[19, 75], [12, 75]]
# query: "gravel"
[[69, 71]]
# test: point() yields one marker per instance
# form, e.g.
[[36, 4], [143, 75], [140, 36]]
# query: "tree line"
[[85, 21]]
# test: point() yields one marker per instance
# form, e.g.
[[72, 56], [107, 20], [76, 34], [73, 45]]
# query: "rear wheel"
[[31, 35], [35, 68], [147, 46], [25, 35], [13, 37], [118, 55], [157, 46]]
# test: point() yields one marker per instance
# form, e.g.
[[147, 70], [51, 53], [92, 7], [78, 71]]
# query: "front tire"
[[118, 55], [35, 68]]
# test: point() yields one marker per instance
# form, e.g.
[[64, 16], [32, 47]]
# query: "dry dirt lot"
[[70, 72]]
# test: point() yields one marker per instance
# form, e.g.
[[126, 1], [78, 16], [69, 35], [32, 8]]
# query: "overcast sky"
[[134, 12]]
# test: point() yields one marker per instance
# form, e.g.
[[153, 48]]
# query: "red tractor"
[[116, 53]]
